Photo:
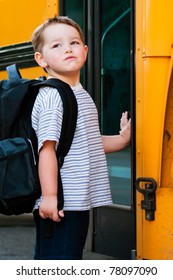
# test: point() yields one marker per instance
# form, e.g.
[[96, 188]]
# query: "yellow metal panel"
[[153, 71], [32, 73], [157, 21], [19, 18]]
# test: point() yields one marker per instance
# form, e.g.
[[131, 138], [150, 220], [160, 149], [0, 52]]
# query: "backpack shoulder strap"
[[69, 116], [14, 75], [70, 111]]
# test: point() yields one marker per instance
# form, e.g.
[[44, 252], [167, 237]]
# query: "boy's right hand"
[[48, 209], [125, 126]]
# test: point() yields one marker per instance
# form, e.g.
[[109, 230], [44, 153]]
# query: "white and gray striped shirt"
[[84, 173]]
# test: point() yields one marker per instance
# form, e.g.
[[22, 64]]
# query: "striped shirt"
[[84, 173]]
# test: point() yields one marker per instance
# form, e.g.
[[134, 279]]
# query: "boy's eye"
[[56, 45], [74, 43]]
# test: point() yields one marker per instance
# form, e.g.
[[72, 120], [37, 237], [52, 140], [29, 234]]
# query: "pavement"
[[17, 238], [17, 234]]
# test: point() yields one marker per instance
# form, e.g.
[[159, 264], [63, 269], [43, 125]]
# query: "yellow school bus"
[[129, 67]]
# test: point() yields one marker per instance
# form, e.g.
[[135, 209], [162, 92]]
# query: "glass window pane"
[[115, 55], [74, 9]]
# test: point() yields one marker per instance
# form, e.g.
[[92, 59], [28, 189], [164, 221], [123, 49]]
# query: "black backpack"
[[19, 181]]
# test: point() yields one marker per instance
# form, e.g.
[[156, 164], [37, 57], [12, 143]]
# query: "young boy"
[[60, 49]]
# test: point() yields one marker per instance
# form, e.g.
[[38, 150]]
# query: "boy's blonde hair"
[[37, 37]]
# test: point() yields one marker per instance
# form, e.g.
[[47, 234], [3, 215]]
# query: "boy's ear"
[[40, 60], [86, 51]]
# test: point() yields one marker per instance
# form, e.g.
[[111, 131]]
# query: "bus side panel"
[[19, 18], [18, 21]]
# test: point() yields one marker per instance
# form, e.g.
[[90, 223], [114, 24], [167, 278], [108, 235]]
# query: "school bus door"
[[108, 78], [154, 129]]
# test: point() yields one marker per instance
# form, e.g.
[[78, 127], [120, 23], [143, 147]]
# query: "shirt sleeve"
[[47, 116]]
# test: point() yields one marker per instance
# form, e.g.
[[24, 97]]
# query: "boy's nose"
[[68, 49]]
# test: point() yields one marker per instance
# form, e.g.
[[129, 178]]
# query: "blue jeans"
[[64, 240]]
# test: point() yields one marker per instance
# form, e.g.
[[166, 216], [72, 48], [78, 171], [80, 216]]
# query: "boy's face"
[[63, 51]]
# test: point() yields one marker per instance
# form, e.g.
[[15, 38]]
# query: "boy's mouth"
[[70, 57]]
